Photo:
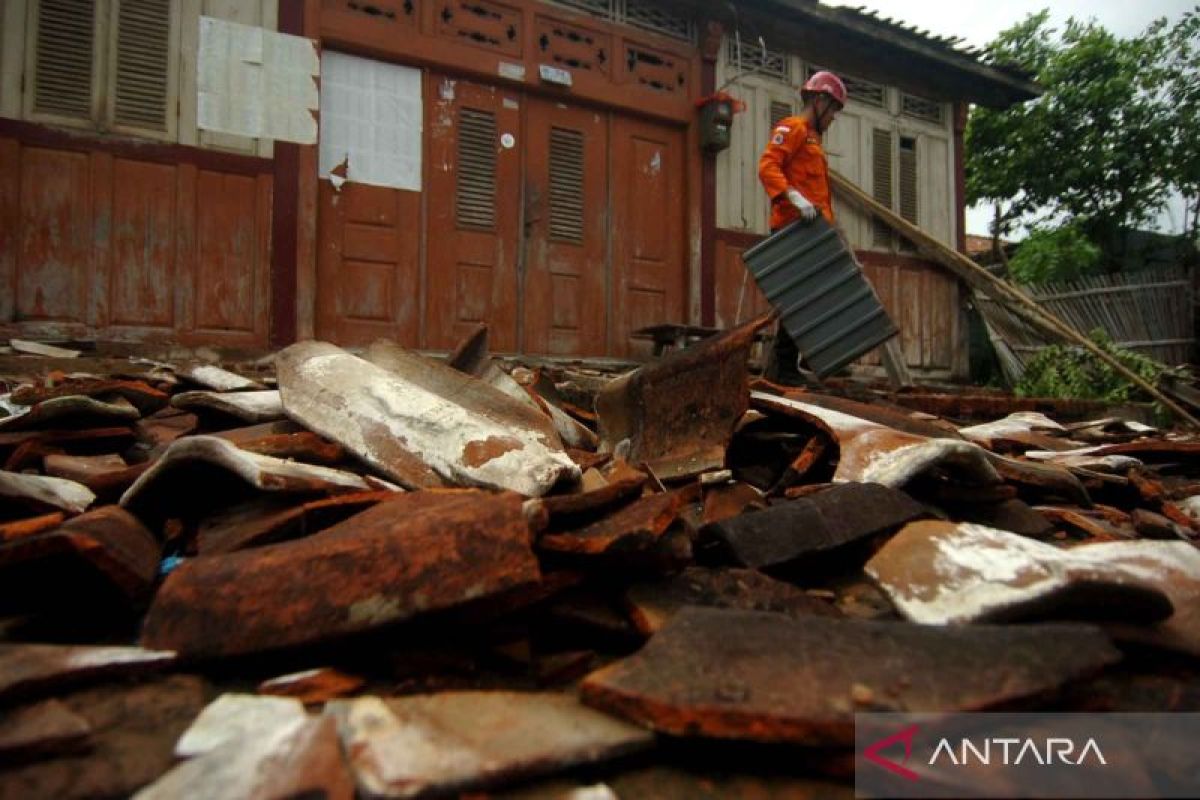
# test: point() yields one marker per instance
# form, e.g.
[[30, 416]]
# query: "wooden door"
[[564, 305], [649, 207], [474, 193]]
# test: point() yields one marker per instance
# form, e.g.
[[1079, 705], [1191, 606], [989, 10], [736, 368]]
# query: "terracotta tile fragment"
[[233, 718], [444, 743], [939, 573], [734, 674], [29, 670], [411, 554], [41, 730], [267, 520], [728, 500], [564, 511], [313, 686], [30, 526], [635, 528], [144, 397], [134, 728], [789, 531], [653, 604], [254, 407]]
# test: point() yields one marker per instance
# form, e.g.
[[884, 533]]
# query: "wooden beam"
[[997, 289]]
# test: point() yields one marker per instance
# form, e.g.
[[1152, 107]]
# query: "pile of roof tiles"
[[396, 576]]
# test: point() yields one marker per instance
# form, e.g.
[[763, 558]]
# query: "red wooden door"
[[649, 207], [564, 302], [474, 192]]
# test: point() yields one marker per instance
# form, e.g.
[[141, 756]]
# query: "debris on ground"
[[388, 575]]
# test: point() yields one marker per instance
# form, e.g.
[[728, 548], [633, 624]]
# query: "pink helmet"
[[825, 82]]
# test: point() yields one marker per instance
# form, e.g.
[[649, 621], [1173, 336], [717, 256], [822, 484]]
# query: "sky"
[[978, 22]]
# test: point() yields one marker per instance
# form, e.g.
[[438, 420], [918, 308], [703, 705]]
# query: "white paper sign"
[[256, 82], [371, 119]]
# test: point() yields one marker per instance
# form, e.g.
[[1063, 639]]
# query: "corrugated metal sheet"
[[823, 298]]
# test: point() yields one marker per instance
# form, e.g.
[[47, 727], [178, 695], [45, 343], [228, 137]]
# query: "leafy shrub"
[[1072, 372], [1058, 254]]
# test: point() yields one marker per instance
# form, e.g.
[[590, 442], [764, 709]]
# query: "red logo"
[[906, 736]]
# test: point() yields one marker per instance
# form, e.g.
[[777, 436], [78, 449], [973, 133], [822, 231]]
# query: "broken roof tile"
[[30, 526], [82, 468], [680, 412], [237, 717], [260, 406], [100, 554], [653, 604], [787, 532], [27, 670], [1173, 567], [40, 493], [207, 461], [450, 742], [425, 424], [873, 453], [43, 729], [1095, 523], [730, 499], [636, 527], [734, 674], [217, 378], [267, 520], [411, 554], [312, 686], [300, 758], [72, 411], [564, 511], [938, 573], [146, 398]]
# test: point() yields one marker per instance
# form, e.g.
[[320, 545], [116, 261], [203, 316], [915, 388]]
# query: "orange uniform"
[[794, 158]]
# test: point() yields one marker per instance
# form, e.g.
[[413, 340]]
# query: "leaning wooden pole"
[[998, 289]]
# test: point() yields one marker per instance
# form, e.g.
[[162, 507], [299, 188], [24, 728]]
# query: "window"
[[920, 108], [103, 64], [895, 172], [881, 186], [645, 14], [476, 191]]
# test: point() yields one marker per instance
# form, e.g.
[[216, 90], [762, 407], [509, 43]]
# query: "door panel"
[[649, 271], [566, 230], [367, 264], [474, 191]]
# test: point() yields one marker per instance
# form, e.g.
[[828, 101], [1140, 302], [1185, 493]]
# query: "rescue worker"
[[795, 174]]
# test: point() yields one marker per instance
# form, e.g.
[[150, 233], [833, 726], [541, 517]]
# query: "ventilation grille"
[[475, 203], [63, 83], [779, 112], [566, 186], [601, 8], [920, 108], [754, 58], [881, 190], [908, 183], [143, 58], [651, 17]]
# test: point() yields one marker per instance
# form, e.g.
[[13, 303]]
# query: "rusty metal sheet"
[[939, 573], [873, 453], [31, 526], [218, 378], [41, 493], [170, 485], [312, 686], [45, 729], [652, 605], [260, 406], [1042, 480], [454, 741], [29, 670], [134, 728], [637, 527], [786, 533], [415, 553], [144, 397], [1023, 429], [298, 759], [236, 717], [878, 411], [267, 520], [679, 413], [96, 553], [73, 411], [426, 427], [734, 674]]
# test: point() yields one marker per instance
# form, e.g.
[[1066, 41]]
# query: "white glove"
[[808, 212]]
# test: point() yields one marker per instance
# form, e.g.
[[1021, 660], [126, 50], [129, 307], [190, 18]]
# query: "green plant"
[[1072, 372], [1056, 254]]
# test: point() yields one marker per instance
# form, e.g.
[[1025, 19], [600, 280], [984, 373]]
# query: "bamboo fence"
[[1149, 312]]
